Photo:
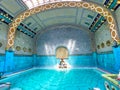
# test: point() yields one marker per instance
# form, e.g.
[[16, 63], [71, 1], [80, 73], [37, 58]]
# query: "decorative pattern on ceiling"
[[75, 16], [7, 18], [99, 20], [33, 24], [86, 5], [38, 22], [112, 4]]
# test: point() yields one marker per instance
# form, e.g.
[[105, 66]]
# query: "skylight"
[[34, 3]]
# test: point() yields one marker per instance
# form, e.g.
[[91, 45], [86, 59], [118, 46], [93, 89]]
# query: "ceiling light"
[[118, 2], [2, 19]]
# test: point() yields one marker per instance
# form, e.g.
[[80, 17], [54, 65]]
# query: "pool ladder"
[[5, 86]]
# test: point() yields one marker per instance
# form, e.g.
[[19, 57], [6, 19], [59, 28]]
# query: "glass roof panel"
[[34, 3]]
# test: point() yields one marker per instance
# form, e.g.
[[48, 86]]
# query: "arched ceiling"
[[38, 22], [82, 17]]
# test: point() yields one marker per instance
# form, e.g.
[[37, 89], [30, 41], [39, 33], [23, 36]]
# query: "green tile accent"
[[90, 16], [97, 23], [29, 24], [113, 4], [87, 23]]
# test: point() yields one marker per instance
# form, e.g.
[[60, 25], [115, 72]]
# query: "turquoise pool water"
[[49, 79]]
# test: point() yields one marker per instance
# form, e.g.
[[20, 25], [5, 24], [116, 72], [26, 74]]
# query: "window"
[[34, 3]]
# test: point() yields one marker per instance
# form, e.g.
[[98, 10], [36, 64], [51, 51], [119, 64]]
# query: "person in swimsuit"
[[62, 64]]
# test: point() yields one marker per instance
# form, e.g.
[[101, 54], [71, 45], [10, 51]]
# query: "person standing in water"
[[62, 64]]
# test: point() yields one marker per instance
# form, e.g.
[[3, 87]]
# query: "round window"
[[102, 45], [98, 46], [24, 49], [30, 50], [108, 43], [18, 48]]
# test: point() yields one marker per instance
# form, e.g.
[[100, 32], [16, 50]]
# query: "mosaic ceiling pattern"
[[38, 22]]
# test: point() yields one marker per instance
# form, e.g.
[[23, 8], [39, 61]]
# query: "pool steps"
[[5, 86]]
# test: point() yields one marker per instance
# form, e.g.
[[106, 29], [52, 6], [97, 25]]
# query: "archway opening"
[[62, 54]]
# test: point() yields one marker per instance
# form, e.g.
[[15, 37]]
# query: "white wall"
[[3, 36], [102, 35], [117, 13], [21, 40]]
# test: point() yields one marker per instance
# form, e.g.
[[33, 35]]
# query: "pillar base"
[[9, 61], [116, 51]]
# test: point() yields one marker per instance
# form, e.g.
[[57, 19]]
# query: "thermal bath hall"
[[59, 44]]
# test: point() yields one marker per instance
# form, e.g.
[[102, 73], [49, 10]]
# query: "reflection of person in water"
[[62, 64]]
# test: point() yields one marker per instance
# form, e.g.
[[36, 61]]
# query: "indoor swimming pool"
[[59, 44], [50, 79]]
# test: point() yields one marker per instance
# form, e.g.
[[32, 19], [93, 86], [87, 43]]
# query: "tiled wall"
[[3, 37], [82, 61], [2, 59], [19, 63], [102, 35], [116, 51], [23, 41], [76, 40], [74, 61], [23, 59], [23, 62], [46, 61], [117, 13], [106, 61], [105, 56]]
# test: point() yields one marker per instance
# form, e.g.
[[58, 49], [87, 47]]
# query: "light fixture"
[[118, 2], [2, 20]]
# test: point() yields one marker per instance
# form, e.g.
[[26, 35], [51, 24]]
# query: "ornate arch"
[[91, 6]]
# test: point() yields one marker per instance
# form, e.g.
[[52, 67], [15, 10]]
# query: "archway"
[[61, 52], [91, 6]]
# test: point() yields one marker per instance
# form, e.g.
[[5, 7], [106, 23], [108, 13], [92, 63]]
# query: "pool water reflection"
[[49, 79]]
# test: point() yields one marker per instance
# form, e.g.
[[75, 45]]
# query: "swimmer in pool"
[[62, 64]]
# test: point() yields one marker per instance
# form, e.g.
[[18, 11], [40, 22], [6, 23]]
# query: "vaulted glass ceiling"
[[34, 3]]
